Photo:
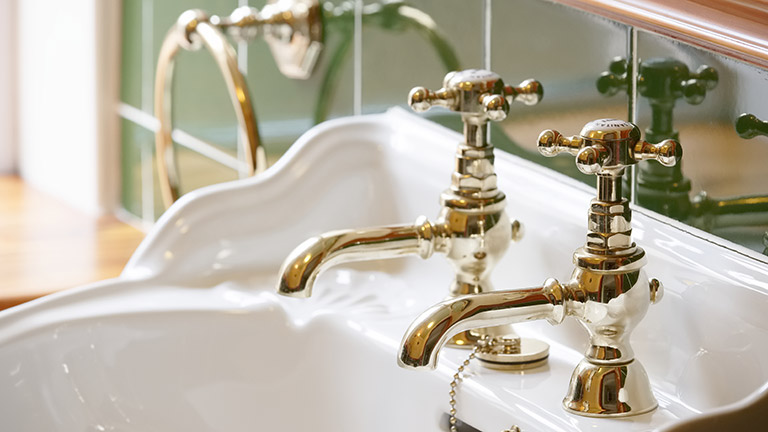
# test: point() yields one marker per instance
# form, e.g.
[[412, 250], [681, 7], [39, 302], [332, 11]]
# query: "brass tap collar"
[[609, 262], [474, 205]]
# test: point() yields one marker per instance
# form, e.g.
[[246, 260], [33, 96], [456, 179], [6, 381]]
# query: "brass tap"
[[472, 229], [609, 293]]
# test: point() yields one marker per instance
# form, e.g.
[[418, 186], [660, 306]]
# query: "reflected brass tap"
[[472, 229], [662, 81], [609, 293], [748, 126]]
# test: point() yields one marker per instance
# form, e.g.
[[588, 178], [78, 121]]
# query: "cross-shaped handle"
[[608, 146], [477, 93], [661, 79], [748, 126]]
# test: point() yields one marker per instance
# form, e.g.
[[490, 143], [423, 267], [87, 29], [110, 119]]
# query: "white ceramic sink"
[[192, 336]]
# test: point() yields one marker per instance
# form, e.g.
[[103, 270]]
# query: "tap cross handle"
[[528, 92], [748, 126], [660, 79], [614, 79], [476, 93], [696, 86], [293, 29], [608, 146]]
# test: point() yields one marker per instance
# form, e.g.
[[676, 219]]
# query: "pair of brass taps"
[[608, 292]]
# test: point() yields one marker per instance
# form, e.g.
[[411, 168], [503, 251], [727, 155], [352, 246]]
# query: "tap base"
[[609, 390]]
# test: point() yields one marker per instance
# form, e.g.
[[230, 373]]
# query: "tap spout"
[[433, 328], [309, 259]]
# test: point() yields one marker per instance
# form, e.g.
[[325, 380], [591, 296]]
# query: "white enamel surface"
[[192, 337]]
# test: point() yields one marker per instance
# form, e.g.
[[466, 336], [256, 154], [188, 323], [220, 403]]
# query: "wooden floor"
[[46, 246]]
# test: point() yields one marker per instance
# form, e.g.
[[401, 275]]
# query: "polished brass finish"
[[303, 265], [608, 291], [293, 29], [472, 229], [457, 379], [434, 328], [192, 31], [620, 390]]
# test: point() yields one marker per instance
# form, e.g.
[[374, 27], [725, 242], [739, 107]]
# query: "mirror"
[[697, 96], [682, 92], [557, 46]]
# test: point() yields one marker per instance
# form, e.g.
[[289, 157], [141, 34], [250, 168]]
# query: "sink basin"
[[192, 336], [227, 360]]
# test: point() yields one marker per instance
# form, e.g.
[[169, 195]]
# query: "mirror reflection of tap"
[[662, 81], [666, 190], [609, 292], [748, 126], [473, 229], [294, 31]]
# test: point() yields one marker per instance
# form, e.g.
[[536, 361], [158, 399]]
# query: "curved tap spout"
[[433, 328], [304, 264]]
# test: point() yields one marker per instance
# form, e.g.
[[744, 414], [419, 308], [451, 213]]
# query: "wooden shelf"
[[46, 246], [736, 28]]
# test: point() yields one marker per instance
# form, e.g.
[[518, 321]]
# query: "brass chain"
[[455, 384], [457, 378]]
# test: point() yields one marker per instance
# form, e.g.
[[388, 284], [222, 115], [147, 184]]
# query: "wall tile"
[[134, 137], [399, 52], [131, 60], [201, 103], [285, 108]]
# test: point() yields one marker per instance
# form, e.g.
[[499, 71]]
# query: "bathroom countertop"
[[46, 246]]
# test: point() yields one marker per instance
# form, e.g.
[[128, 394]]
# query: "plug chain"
[[482, 344]]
